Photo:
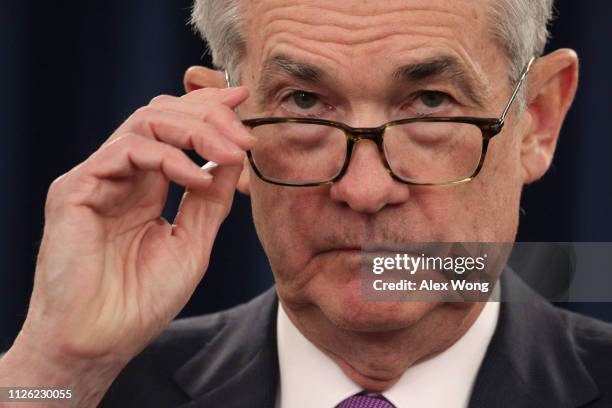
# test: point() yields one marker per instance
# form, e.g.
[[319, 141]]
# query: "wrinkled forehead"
[[360, 38]]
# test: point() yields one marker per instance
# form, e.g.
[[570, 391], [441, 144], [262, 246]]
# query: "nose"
[[367, 186]]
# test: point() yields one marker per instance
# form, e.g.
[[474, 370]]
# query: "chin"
[[346, 309]]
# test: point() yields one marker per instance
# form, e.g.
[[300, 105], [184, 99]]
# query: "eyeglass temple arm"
[[211, 164], [517, 88]]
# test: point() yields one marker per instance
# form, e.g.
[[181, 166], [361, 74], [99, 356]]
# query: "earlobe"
[[552, 89], [244, 182], [198, 77]]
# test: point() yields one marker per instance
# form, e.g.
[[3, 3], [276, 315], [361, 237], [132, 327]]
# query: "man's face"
[[313, 236]]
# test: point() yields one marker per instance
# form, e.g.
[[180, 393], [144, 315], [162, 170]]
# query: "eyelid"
[[447, 95], [421, 92], [292, 91], [286, 95], [408, 103]]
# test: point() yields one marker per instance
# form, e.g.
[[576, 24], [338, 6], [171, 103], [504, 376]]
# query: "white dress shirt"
[[310, 379]]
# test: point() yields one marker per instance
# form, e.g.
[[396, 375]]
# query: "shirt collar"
[[309, 378]]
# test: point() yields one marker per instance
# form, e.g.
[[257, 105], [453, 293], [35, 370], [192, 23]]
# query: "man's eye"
[[432, 99], [304, 100], [298, 102]]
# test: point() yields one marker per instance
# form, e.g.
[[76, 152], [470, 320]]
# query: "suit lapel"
[[239, 366], [531, 360]]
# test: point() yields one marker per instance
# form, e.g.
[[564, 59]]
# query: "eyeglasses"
[[303, 152]]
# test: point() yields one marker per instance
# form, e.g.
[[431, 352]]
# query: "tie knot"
[[365, 401]]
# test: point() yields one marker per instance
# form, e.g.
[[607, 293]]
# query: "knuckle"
[[143, 112], [147, 115], [138, 118], [131, 141], [161, 99], [217, 112], [56, 185], [144, 119], [55, 193], [169, 155], [198, 138], [175, 154], [207, 111], [127, 143]]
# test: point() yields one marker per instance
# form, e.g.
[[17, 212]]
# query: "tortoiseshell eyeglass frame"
[[489, 128]]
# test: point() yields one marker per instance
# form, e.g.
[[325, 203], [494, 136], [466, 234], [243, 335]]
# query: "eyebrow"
[[447, 67], [286, 65], [441, 67], [282, 65]]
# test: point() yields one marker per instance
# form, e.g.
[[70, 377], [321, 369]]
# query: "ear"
[[198, 77], [244, 182], [552, 87]]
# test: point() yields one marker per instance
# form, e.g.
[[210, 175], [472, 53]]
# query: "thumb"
[[202, 211]]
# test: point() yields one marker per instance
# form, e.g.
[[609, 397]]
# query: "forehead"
[[368, 36]]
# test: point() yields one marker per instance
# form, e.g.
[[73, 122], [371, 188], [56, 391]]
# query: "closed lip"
[[343, 248], [412, 250], [369, 252]]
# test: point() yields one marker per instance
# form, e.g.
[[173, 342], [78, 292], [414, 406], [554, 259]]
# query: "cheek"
[[500, 184], [483, 210], [283, 219]]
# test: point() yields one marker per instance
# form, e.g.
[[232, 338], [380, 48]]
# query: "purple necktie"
[[365, 401]]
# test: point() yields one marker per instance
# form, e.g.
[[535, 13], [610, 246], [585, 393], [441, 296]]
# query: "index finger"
[[230, 97]]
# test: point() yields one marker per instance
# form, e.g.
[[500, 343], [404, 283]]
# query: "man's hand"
[[111, 273]]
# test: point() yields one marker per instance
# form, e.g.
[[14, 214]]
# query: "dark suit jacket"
[[539, 356]]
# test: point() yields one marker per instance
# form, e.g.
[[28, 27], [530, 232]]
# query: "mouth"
[[339, 248], [371, 251]]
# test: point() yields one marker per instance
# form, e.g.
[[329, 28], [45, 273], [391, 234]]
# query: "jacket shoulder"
[[593, 343], [148, 379]]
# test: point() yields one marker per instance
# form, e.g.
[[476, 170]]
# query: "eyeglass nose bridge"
[[374, 134], [354, 135]]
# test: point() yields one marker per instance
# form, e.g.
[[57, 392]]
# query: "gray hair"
[[521, 26], [220, 24]]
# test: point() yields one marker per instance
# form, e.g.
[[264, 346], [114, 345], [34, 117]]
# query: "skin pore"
[[348, 54]]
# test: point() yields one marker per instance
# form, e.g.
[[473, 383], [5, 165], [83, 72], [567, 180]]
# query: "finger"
[[230, 97], [202, 211], [186, 132], [218, 115], [134, 153]]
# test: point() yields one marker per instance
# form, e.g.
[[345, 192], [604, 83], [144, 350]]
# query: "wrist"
[[29, 363]]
